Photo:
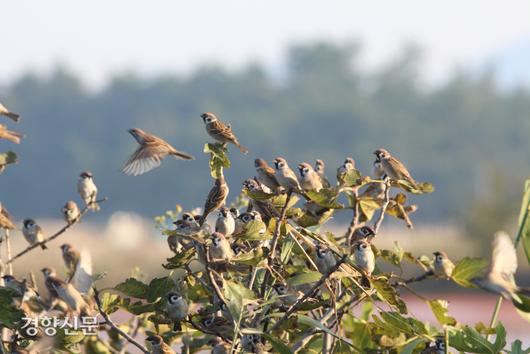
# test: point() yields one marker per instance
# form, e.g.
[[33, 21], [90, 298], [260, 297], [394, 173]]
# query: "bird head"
[[319, 165], [86, 174], [304, 168], [66, 247], [280, 163], [28, 223], [154, 340], [381, 154], [208, 117], [173, 298], [138, 134]]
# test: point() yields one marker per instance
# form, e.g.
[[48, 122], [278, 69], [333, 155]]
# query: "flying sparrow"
[[364, 257], [325, 260], [150, 153], [70, 212], [10, 135], [66, 292], [285, 176], [7, 158], [5, 112], [216, 198], [309, 179], [225, 223], [5, 219], [177, 309], [33, 232], [266, 175], [393, 168], [87, 190], [499, 278], [158, 346], [443, 267], [71, 257], [220, 248], [220, 132], [320, 168], [347, 166]]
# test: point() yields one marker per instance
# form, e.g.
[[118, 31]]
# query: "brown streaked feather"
[[400, 170], [5, 112], [223, 133], [5, 220], [216, 198]]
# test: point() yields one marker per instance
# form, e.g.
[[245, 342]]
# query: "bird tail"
[[13, 136], [15, 117], [43, 246], [243, 149], [182, 155], [94, 206], [177, 327]]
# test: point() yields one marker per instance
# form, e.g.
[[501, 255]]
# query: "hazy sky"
[[100, 37]]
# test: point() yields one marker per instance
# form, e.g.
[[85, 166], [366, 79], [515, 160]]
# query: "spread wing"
[[504, 256], [144, 159], [82, 278]]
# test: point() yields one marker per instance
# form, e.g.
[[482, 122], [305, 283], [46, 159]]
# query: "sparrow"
[[266, 175], [393, 168], [443, 267], [185, 228], [7, 158], [192, 219], [5, 112], [71, 257], [251, 343], [10, 135], [438, 348], [364, 257], [150, 153], [262, 206], [375, 190], [87, 190], [285, 176], [220, 132], [177, 309], [347, 166], [65, 291], [234, 212], [499, 278], [70, 212], [158, 346], [219, 347], [5, 219], [363, 233], [320, 168], [219, 325], [21, 287], [33, 232], [225, 223], [309, 179], [220, 248], [324, 259], [216, 198], [287, 296]]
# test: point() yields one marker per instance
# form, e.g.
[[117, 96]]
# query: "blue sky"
[[100, 38]]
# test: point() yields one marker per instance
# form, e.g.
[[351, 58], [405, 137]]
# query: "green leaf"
[[410, 347], [308, 321], [237, 296], [218, 158], [388, 294], [517, 348], [439, 309], [159, 288], [524, 222], [307, 277], [467, 269], [251, 258], [277, 345], [422, 187], [110, 302], [352, 178], [7, 158], [180, 259], [367, 207], [255, 230], [133, 287], [325, 198], [257, 195], [469, 340]]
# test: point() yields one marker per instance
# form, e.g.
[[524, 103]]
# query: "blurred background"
[[444, 86]]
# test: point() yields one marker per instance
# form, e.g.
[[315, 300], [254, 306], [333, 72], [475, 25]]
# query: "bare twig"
[[58, 233], [8, 249], [386, 201], [211, 277], [116, 328], [355, 219]]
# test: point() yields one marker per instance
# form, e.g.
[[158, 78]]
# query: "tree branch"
[[116, 328], [58, 233], [386, 201]]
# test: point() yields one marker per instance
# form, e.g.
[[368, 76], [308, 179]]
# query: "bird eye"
[[208, 322]]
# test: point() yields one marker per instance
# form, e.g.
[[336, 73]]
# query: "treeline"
[[461, 136]]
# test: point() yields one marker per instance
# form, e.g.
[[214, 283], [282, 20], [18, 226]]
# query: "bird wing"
[[220, 129], [144, 159], [82, 278], [504, 256], [400, 168], [69, 294]]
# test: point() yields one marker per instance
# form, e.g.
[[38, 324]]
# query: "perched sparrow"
[[33, 232], [87, 189], [364, 257], [363, 233], [500, 276], [220, 132], [285, 176], [216, 198], [177, 309], [266, 175], [220, 248], [5, 219], [225, 223], [393, 168], [251, 343], [219, 347], [325, 260], [66, 292], [150, 153], [320, 168], [20, 287], [10, 135], [438, 348], [443, 267], [219, 325], [70, 212], [309, 179], [193, 220], [185, 228], [375, 190], [158, 346], [287, 296], [347, 166], [234, 212], [5, 112], [71, 257]]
